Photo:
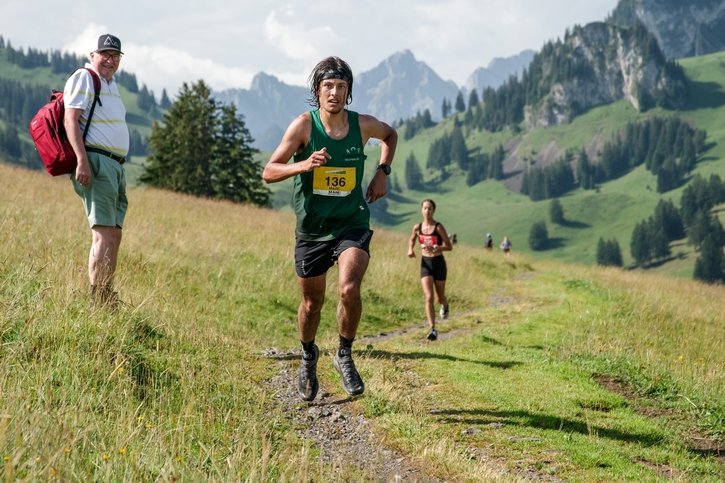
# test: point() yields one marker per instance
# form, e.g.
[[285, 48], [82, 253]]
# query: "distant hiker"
[[506, 245], [433, 241], [99, 178], [454, 239], [333, 218], [489, 242]]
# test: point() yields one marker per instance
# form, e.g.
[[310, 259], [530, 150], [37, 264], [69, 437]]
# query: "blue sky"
[[226, 42]]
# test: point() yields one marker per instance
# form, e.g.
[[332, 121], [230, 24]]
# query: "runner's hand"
[[318, 158]]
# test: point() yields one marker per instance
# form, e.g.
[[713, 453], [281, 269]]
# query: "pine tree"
[[660, 245], [204, 149], [439, 154], [709, 266], [137, 145], [458, 149], [145, 99], [460, 104], [181, 147], [639, 245], [584, 171], [556, 212], [716, 189], [477, 170], [234, 174], [413, 173], [601, 252], [445, 108], [473, 99], [496, 163], [538, 236], [704, 224], [609, 253], [668, 218], [165, 101], [615, 253]]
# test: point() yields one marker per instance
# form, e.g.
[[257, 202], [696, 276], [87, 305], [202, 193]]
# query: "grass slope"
[[173, 386]]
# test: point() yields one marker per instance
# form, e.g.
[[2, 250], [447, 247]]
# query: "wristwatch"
[[385, 168]]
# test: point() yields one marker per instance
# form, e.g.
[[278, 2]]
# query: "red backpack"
[[51, 141]]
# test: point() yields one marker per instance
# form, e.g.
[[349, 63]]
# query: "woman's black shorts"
[[434, 267]]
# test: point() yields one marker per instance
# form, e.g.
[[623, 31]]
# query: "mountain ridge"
[[682, 29], [374, 91]]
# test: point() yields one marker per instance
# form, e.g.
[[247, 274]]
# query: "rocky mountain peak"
[[682, 28], [602, 63]]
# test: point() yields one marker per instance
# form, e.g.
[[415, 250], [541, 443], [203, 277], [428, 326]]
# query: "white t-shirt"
[[108, 126]]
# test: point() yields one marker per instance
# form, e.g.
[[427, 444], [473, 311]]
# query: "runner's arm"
[[447, 245], [411, 241], [294, 140], [370, 127]]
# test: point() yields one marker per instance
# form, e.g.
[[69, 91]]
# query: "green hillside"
[[611, 211]]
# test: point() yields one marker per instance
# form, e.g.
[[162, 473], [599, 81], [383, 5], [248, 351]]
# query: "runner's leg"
[[308, 314], [352, 263], [428, 289]]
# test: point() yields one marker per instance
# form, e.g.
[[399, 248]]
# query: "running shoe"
[[433, 334], [307, 384], [444, 311], [351, 380]]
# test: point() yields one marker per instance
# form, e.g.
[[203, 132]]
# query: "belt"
[[108, 154]]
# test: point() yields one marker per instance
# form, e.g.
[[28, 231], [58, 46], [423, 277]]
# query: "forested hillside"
[[609, 168]]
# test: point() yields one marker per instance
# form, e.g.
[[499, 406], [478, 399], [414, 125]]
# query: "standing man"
[[99, 178], [333, 219]]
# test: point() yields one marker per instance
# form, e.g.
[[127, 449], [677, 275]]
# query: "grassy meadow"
[[544, 370]]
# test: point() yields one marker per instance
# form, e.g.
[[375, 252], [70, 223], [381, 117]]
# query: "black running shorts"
[[434, 267], [314, 258]]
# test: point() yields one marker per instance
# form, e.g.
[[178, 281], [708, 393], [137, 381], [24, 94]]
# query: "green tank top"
[[329, 200]]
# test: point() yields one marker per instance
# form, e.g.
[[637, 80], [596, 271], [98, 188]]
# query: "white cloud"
[[160, 67], [87, 41], [285, 30], [227, 42]]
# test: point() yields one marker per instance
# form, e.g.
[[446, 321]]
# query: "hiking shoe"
[[433, 334], [351, 380], [307, 384], [444, 311]]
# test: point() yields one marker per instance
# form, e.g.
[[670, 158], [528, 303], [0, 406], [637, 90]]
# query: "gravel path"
[[343, 436]]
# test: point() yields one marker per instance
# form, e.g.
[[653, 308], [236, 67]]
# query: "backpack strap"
[[96, 98]]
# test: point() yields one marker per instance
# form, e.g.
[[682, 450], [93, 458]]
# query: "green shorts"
[[105, 198]]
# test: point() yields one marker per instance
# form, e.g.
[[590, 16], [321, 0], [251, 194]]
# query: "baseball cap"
[[109, 42]]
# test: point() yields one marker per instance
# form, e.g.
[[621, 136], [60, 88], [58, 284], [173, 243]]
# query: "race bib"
[[333, 181]]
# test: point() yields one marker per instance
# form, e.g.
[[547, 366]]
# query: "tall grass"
[[668, 335], [172, 385]]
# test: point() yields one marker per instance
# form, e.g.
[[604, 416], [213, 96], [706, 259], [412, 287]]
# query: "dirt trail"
[[343, 436]]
